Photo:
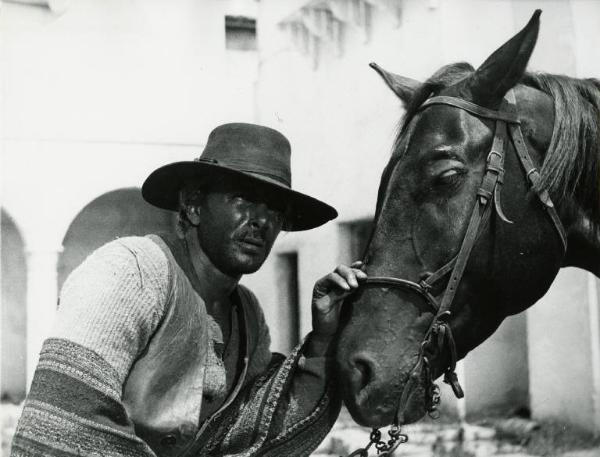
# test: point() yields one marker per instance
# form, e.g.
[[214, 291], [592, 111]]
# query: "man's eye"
[[277, 216]]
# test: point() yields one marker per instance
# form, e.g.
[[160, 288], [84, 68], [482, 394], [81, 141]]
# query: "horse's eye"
[[448, 173], [450, 177]]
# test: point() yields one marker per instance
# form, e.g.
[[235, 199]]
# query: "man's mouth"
[[255, 241], [252, 243]]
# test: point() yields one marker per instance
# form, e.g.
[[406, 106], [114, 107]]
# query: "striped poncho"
[[136, 367]]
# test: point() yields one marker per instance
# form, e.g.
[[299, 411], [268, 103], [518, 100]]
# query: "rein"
[[439, 335]]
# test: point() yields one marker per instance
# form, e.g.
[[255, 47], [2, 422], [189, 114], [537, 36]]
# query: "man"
[[159, 351]]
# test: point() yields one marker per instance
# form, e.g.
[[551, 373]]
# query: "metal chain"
[[435, 400], [384, 449], [433, 392]]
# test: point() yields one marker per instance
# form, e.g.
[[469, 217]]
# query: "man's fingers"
[[359, 273], [338, 280], [343, 280], [348, 274], [351, 275], [358, 264], [359, 269]]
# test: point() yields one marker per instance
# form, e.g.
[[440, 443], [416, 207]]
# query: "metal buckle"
[[492, 153], [533, 175]]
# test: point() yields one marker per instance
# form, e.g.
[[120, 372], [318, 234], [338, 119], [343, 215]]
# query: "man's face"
[[238, 226]]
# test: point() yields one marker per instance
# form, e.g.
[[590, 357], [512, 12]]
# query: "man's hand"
[[329, 293]]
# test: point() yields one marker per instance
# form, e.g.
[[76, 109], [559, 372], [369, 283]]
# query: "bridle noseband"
[[439, 335]]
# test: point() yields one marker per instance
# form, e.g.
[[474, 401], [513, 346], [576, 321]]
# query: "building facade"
[[98, 94]]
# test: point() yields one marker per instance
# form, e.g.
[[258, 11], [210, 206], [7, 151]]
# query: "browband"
[[480, 111]]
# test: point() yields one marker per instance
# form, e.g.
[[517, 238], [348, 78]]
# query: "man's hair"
[[189, 195]]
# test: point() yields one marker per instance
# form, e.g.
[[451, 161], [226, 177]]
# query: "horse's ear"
[[403, 87], [505, 67]]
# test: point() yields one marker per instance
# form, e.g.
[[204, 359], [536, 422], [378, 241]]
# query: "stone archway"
[[14, 311], [114, 214]]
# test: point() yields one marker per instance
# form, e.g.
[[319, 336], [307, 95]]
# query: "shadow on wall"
[[14, 311], [115, 214]]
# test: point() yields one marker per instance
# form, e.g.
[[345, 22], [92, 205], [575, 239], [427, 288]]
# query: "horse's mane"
[[572, 164], [571, 168]]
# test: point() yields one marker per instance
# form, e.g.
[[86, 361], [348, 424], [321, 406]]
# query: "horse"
[[492, 186]]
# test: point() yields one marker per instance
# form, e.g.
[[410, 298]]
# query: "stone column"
[[594, 319], [461, 403], [42, 295], [563, 336]]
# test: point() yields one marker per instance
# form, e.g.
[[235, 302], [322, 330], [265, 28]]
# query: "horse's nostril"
[[365, 373], [364, 370]]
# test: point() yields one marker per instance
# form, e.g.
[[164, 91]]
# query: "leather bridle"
[[439, 335]]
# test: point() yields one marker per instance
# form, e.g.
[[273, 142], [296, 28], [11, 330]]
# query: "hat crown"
[[258, 154], [252, 149]]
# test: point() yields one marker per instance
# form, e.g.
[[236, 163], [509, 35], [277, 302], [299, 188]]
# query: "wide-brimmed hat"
[[242, 151]]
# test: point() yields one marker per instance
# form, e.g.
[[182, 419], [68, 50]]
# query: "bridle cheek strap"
[[533, 175], [439, 334]]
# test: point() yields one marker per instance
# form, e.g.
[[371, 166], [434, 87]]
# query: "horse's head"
[[429, 194]]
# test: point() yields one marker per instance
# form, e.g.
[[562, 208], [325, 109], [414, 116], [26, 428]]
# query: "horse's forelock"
[[447, 76]]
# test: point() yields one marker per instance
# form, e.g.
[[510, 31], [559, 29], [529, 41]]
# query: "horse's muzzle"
[[369, 396]]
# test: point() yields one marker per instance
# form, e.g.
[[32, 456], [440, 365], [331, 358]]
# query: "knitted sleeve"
[[109, 308], [114, 301]]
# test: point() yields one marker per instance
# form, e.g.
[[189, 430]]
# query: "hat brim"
[[162, 188]]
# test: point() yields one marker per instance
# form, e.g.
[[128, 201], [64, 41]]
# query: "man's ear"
[[193, 214], [192, 211]]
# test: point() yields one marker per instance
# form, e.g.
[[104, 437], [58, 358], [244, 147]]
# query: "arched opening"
[[118, 213], [14, 311]]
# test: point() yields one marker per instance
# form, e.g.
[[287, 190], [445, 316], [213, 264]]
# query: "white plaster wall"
[[152, 71], [94, 99], [497, 371], [586, 15]]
